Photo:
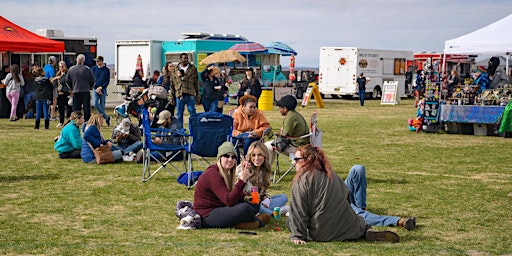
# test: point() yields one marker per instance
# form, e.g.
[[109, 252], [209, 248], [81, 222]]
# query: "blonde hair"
[[65, 69], [75, 115], [229, 176], [214, 70], [265, 171], [95, 119]]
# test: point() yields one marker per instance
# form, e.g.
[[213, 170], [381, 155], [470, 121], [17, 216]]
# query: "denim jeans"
[[127, 148], [277, 201], [245, 140], [41, 108], [361, 96], [190, 101], [209, 105], [26, 99], [99, 102], [356, 182]]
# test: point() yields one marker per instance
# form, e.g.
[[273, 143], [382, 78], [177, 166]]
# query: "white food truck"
[[340, 67]]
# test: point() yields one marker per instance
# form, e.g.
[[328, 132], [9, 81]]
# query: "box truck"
[[340, 67], [126, 54]]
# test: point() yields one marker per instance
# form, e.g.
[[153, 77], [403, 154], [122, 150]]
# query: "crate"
[[483, 129], [466, 129], [453, 128]]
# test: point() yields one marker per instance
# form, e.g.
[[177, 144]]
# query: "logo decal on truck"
[[363, 63], [343, 61]]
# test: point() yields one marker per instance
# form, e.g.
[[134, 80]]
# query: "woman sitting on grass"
[[69, 142], [319, 205], [93, 139], [258, 164], [219, 195]]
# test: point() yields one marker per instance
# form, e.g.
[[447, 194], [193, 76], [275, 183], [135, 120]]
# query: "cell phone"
[[247, 233]]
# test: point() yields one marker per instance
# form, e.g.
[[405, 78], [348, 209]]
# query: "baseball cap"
[[287, 101], [52, 59], [163, 116], [99, 58]]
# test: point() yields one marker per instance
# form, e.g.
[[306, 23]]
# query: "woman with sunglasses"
[[319, 205], [219, 194]]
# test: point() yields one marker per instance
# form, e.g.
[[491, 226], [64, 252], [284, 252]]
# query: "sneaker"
[[53, 119], [381, 236], [59, 125], [127, 158], [409, 223], [248, 225], [284, 210]]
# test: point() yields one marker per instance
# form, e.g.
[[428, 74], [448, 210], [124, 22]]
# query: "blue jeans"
[[127, 148], [26, 99], [209, 105], [245, 140], [361, 96], [41, 108], [190, 101], [356, 182], [277, 201], [99, 102]]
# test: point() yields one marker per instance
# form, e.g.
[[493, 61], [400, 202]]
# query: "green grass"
[[456, 186]]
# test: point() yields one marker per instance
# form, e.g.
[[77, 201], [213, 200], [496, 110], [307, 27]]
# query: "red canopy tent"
[[14, 38]]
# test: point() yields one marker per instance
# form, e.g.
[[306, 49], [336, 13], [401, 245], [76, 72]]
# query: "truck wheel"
[[376, 93], [335, 96]]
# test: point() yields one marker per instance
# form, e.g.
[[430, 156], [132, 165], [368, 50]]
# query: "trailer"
[[126, 54], [340, 66]]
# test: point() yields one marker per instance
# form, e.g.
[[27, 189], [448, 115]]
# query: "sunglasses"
[[297, 159], [229, 156]]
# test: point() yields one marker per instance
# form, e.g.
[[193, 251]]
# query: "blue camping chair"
[[208, 131], [163, 153]]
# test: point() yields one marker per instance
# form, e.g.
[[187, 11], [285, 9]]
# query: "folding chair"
[[163, 153], [238, 143], [208, 131], [315, 139]]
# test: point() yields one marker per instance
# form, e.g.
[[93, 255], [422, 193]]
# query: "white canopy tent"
[[494, 39]]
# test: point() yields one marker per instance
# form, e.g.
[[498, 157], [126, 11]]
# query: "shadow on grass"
[[20, 178]]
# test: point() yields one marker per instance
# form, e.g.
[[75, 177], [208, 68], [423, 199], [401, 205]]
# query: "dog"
[[31, 106]]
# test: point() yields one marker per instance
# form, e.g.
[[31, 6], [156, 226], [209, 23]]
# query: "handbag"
[[281, 143], [103, 154]]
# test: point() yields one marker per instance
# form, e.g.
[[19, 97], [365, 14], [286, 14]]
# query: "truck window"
[[399, 66]]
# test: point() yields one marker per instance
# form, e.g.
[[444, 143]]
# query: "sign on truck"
[[340, 66]]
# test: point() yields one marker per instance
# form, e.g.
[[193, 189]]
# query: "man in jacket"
[[185, 87], [81, 80], [99, 94]]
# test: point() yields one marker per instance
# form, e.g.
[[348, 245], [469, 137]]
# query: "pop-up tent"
[[493, 39], [14, 38]]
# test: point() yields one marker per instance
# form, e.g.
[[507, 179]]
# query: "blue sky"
[[306, 25]]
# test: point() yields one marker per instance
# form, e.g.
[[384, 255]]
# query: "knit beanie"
[[225, 148]]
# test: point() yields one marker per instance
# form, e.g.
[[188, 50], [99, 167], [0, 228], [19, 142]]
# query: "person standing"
[[211, 85], [28, 90], [99, 94], [82, 81], [63, 92], [361, 83], [167, 74], [250, 85], [50, 70], [44, 95], [418, 89], [185, 87], [14, 82]]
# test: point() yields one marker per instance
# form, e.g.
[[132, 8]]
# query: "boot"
[[47, 124], [37, 124]]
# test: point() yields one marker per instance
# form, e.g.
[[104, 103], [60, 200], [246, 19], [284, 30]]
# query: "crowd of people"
[[235, 191]]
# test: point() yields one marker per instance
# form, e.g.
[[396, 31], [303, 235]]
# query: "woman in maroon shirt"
[[220, 203]]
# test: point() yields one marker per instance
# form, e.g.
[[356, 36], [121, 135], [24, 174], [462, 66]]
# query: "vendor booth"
[[14, 38], [468, 110]]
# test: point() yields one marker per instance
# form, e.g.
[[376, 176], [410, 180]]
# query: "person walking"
[[82, 81], [14, 82], [99, 94], [185, 87], [361, 83]]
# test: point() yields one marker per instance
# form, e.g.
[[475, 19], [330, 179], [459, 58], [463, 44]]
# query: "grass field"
[[457, 186]]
